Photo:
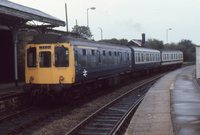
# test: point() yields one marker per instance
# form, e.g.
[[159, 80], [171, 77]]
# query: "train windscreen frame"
[[31, 57], [61, 56]]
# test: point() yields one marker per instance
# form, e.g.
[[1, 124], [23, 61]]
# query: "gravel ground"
[[63, 121]]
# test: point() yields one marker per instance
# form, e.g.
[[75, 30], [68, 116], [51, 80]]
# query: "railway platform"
[[171, 106]]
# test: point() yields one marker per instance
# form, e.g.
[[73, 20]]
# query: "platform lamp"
[[92, 8], [101, 33], [167, 34], [66, 18]]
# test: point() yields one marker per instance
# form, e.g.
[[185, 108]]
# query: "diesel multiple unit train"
[[59, 62]]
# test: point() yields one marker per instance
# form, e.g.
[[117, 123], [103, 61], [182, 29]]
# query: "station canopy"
[[12, 14]]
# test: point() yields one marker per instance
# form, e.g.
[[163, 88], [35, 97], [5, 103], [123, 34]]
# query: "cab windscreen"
[[61, 56], [45, 59]]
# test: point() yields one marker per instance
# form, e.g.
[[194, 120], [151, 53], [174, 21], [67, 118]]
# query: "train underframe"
[[55, 91], [64, 89]]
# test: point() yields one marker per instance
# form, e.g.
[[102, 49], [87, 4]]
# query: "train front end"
[[49, 67]]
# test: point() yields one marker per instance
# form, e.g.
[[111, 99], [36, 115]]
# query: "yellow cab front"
[[49, 64]]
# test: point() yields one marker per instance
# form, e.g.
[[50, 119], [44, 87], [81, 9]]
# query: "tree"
[[188, 49], [154, 44], [171, 46], [83, 31]]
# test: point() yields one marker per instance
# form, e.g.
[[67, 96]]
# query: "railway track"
[[30, 116], [10, 95], [114, 116], [12, 105], [14, 114], [12, 100]]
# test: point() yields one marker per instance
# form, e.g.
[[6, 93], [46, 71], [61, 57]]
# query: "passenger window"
[[138, 57], [104, 53], [110, 53], [147, 57], [99, 56], [142, 57], [157, 57], [115, 53], [127, 56], [93, 52], [150, 57], [84, 52]]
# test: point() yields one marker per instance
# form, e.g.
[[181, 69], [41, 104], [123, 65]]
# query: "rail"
[[111, 118]]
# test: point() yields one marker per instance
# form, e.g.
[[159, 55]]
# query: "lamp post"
[[167, 34], [66, 17], [101, 32], [92, 8]]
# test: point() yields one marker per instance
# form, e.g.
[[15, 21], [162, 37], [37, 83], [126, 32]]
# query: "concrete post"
[[197, 62]]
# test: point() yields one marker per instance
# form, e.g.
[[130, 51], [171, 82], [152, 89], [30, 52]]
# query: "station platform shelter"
[[14, 18]]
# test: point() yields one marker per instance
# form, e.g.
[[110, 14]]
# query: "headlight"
[[61, 78]]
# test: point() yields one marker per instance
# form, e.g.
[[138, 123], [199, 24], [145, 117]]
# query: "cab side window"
[[31, 57]]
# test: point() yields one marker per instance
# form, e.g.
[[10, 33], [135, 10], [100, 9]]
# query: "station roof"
[[12, 14]]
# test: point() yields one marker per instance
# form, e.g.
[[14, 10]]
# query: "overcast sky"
[[129, 18]]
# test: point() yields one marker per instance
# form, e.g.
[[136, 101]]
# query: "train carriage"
[[99, 60], [53, 62], [171, 58], [145, 59]]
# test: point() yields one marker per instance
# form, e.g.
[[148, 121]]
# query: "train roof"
[[77, 42], [141, 49], [171, 51], [49, 39]]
